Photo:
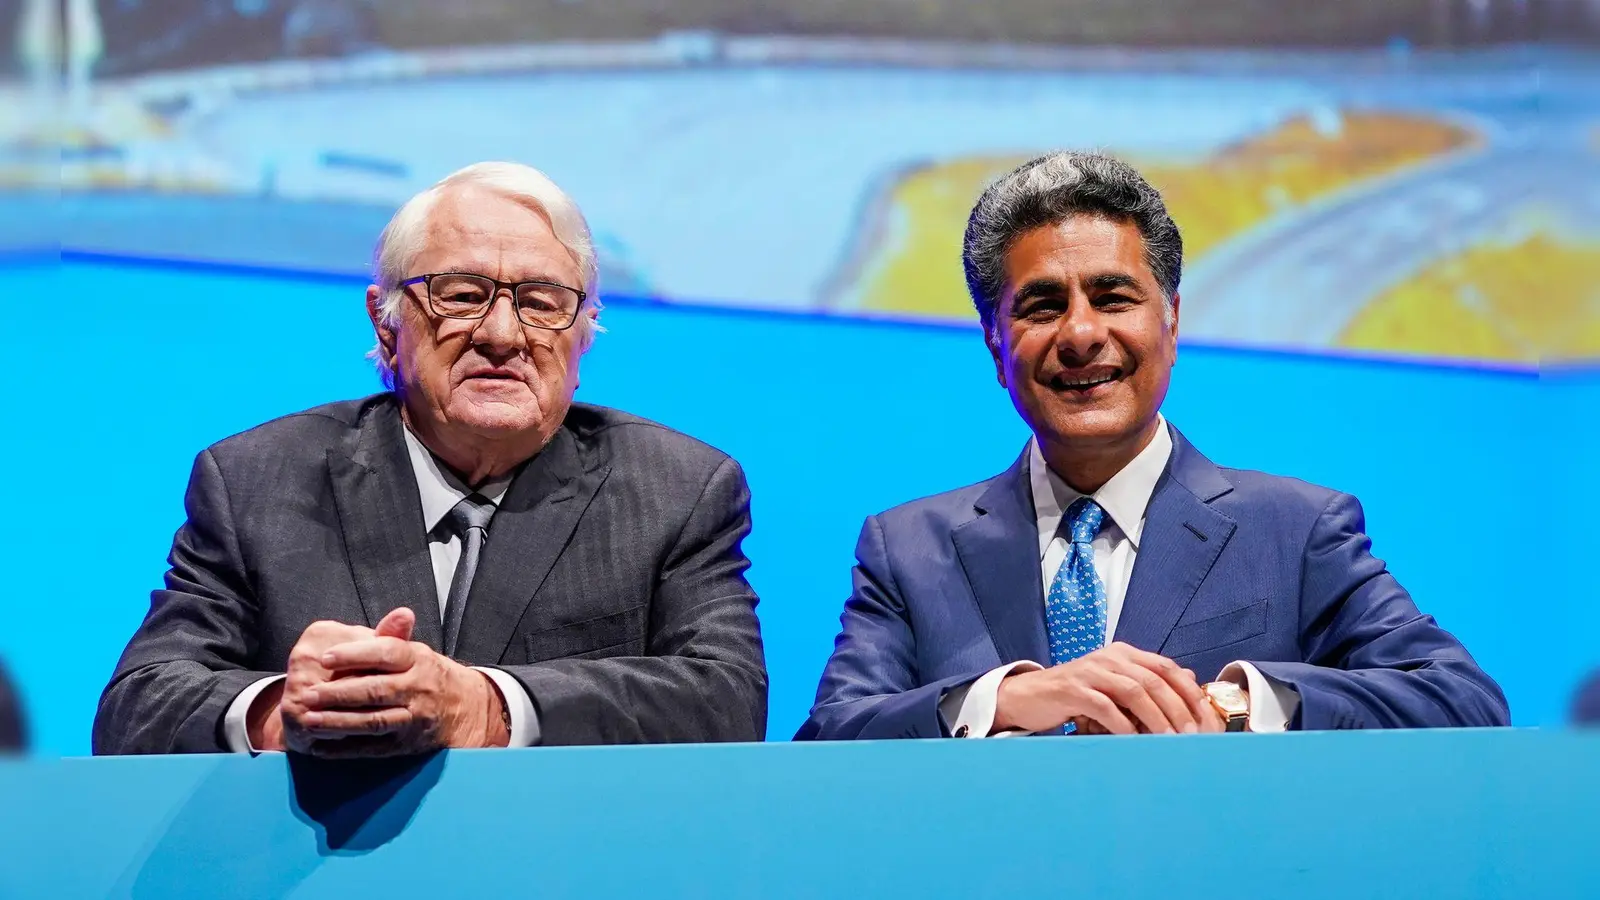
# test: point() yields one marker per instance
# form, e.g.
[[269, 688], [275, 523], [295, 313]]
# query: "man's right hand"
[[1118, 689], [274, 721]]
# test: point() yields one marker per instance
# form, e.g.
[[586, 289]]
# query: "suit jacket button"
[[961, 731]]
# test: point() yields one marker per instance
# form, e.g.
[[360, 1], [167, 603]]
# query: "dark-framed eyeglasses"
[[541, 304]]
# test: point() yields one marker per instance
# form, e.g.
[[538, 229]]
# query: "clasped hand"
[[354, 691], [1118, 689]]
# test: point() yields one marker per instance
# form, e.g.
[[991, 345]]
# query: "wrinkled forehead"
[[472, 229]]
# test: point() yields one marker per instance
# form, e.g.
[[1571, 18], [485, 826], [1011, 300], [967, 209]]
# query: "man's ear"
[[991, 338], [385, 334], [1177, 307]]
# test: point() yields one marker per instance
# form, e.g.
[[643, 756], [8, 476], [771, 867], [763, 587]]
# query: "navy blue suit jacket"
[[1232, 565]]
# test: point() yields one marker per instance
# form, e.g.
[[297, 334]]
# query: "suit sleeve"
[[870, 689], [190, 657], [704, 677], [1373, 660]]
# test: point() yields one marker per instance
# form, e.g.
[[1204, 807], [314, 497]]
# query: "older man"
[[1114, 579], [470, 560]]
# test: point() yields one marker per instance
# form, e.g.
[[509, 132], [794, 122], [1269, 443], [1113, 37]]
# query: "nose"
[[500, 331], [1082, 333]]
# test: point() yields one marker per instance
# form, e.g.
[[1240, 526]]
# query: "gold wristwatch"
[[1230, 703]]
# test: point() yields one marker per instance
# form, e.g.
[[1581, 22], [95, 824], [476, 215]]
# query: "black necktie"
[[469, 520]]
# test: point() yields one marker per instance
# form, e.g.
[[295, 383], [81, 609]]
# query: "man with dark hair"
[[1114, 580], [13, 733]]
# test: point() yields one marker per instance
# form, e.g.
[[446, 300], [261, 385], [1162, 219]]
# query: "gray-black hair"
[[1049, 190]]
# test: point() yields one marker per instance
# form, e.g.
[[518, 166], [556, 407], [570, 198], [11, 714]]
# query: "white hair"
[[402, 239]]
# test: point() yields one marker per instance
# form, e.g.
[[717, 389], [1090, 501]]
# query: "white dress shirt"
[[440, 491], [970, 709]]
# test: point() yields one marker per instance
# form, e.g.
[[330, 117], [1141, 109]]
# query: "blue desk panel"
[[1434, 815]]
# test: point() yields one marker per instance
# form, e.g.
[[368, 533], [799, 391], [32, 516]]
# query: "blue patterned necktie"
[[1075, 608]]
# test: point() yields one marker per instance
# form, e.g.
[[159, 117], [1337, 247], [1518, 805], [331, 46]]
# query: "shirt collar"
[[1125, 498], [440, 489]]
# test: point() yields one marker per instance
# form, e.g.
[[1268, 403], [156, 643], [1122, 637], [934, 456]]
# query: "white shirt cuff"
[[524, 719], [970, 708], [236, 721], [1272, 703]]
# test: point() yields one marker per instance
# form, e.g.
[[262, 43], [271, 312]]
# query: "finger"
[[355, 692], [398, 624], [1103, 712], [326, 633], [303, 679], [1131, 688], [377, 654], [324, 629], [1177, 709], [324, 724], [1210, 720], [1180, 679], [1087, 726], [1205, 715]]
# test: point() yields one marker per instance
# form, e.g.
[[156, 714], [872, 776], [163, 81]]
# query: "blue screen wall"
[[832, 419]]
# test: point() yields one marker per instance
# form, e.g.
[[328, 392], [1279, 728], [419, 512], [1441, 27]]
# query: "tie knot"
[[1085, 517], [474, 511]]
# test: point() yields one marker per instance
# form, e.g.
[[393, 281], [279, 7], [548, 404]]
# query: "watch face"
[[1228, 696]]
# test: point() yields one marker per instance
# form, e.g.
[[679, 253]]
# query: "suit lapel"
[[1183, 536], [999, 554], [380, 513], [526, 537]]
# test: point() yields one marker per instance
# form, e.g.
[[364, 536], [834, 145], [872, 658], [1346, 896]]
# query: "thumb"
[[397, 624]]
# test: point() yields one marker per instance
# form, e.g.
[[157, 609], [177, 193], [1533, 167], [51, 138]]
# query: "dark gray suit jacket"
[[612, 585]]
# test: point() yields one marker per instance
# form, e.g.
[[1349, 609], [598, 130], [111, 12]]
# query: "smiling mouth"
[[1084, 383]]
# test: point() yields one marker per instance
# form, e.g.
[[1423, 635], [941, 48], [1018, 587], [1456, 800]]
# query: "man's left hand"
[[444, 703], [1211, 722]]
